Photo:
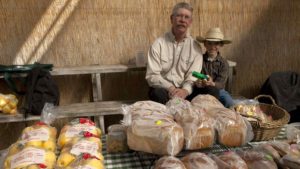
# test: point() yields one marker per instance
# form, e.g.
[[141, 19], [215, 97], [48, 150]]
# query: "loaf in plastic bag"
[[169, 162], [198, 126], [198, 160], [151, 129], [257, 160]]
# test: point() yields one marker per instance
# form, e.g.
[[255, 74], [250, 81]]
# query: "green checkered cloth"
[[140, 160]]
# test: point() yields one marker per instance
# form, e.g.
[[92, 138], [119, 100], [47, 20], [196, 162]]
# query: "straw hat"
[[214, 35]]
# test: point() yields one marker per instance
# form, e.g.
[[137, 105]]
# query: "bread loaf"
[[233, 160], [153, 130], [198, 160], [197, 126], [169, 162]]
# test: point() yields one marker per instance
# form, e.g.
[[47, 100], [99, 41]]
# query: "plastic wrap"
[[116, 140], [77, 127], [152, 129], [292, 158], [169, 162], [231, 127], [268, 149], [198, 160], [233, 160], [293, 132], [78, 146], [39, 135], [84, 161], [30, 157], [207, 102], [251, 109], [8, 103], [257, 160], [198, 127]]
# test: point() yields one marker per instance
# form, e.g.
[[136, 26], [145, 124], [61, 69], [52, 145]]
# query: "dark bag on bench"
[[40, 88]]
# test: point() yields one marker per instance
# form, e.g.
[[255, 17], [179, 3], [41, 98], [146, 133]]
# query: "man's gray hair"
[[184, 5]]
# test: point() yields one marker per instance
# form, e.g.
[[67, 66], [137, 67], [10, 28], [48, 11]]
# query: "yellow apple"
[[49, 145], [94, 163], [37, 144], [33, 166], [6, 109], [65, 159], [3, 101], [50, 159], [62, 140]]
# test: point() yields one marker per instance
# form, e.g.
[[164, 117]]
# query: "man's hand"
[[177, 92]]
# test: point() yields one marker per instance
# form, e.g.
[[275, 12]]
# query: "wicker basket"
[[268, 130]]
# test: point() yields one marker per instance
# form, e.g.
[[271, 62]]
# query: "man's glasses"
[[181, 16]]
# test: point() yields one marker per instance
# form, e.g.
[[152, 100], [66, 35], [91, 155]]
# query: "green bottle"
[[199, 75]]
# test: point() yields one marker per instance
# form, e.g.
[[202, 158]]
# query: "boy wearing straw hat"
[[215, 66], [173, 57]]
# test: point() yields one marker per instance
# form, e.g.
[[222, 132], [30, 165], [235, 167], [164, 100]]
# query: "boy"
[[215, 66]]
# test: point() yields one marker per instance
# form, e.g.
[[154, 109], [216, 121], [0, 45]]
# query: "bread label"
[[40, 134], [84, 146], [27, 157], [85, 167], [78, 128]]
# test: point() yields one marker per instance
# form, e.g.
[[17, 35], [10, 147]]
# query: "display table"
[[139, 160]]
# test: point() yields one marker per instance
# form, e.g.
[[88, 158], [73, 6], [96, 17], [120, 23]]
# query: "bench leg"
[[102, 125]]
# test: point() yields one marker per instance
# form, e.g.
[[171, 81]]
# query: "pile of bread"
[[78, 144], [271, 155], [167, 129]]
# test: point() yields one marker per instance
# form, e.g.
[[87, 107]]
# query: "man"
[[215, 66], [173, 57]]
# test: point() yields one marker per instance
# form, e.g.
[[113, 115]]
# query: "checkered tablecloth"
[[139, 160]]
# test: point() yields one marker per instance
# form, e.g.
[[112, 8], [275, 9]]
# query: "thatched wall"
[[265, 38], [265, 34]]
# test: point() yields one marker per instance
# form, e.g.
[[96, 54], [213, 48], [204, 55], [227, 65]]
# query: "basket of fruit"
[[265, 119]]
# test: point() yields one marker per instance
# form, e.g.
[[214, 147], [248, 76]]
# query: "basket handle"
[[266, 96]]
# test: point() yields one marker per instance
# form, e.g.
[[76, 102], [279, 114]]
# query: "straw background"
[[265, 37]]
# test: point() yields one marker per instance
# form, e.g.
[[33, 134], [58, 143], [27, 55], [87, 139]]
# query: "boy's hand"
[[206, 82], [199, 83]]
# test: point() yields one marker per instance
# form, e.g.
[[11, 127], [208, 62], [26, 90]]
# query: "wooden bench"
[[98, 109]]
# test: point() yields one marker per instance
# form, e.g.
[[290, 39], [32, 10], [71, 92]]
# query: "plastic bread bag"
[[198, 160], [233, 160], [257, 160], [207, 102], [143, 109], [154, 134], [30, 157], [232, 129], [83, 161], [282, 147], [197, 125], [268, 149], [87, 144], [75, 128], [168, 162], [8, 103], [220, 163], [292, 159]]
